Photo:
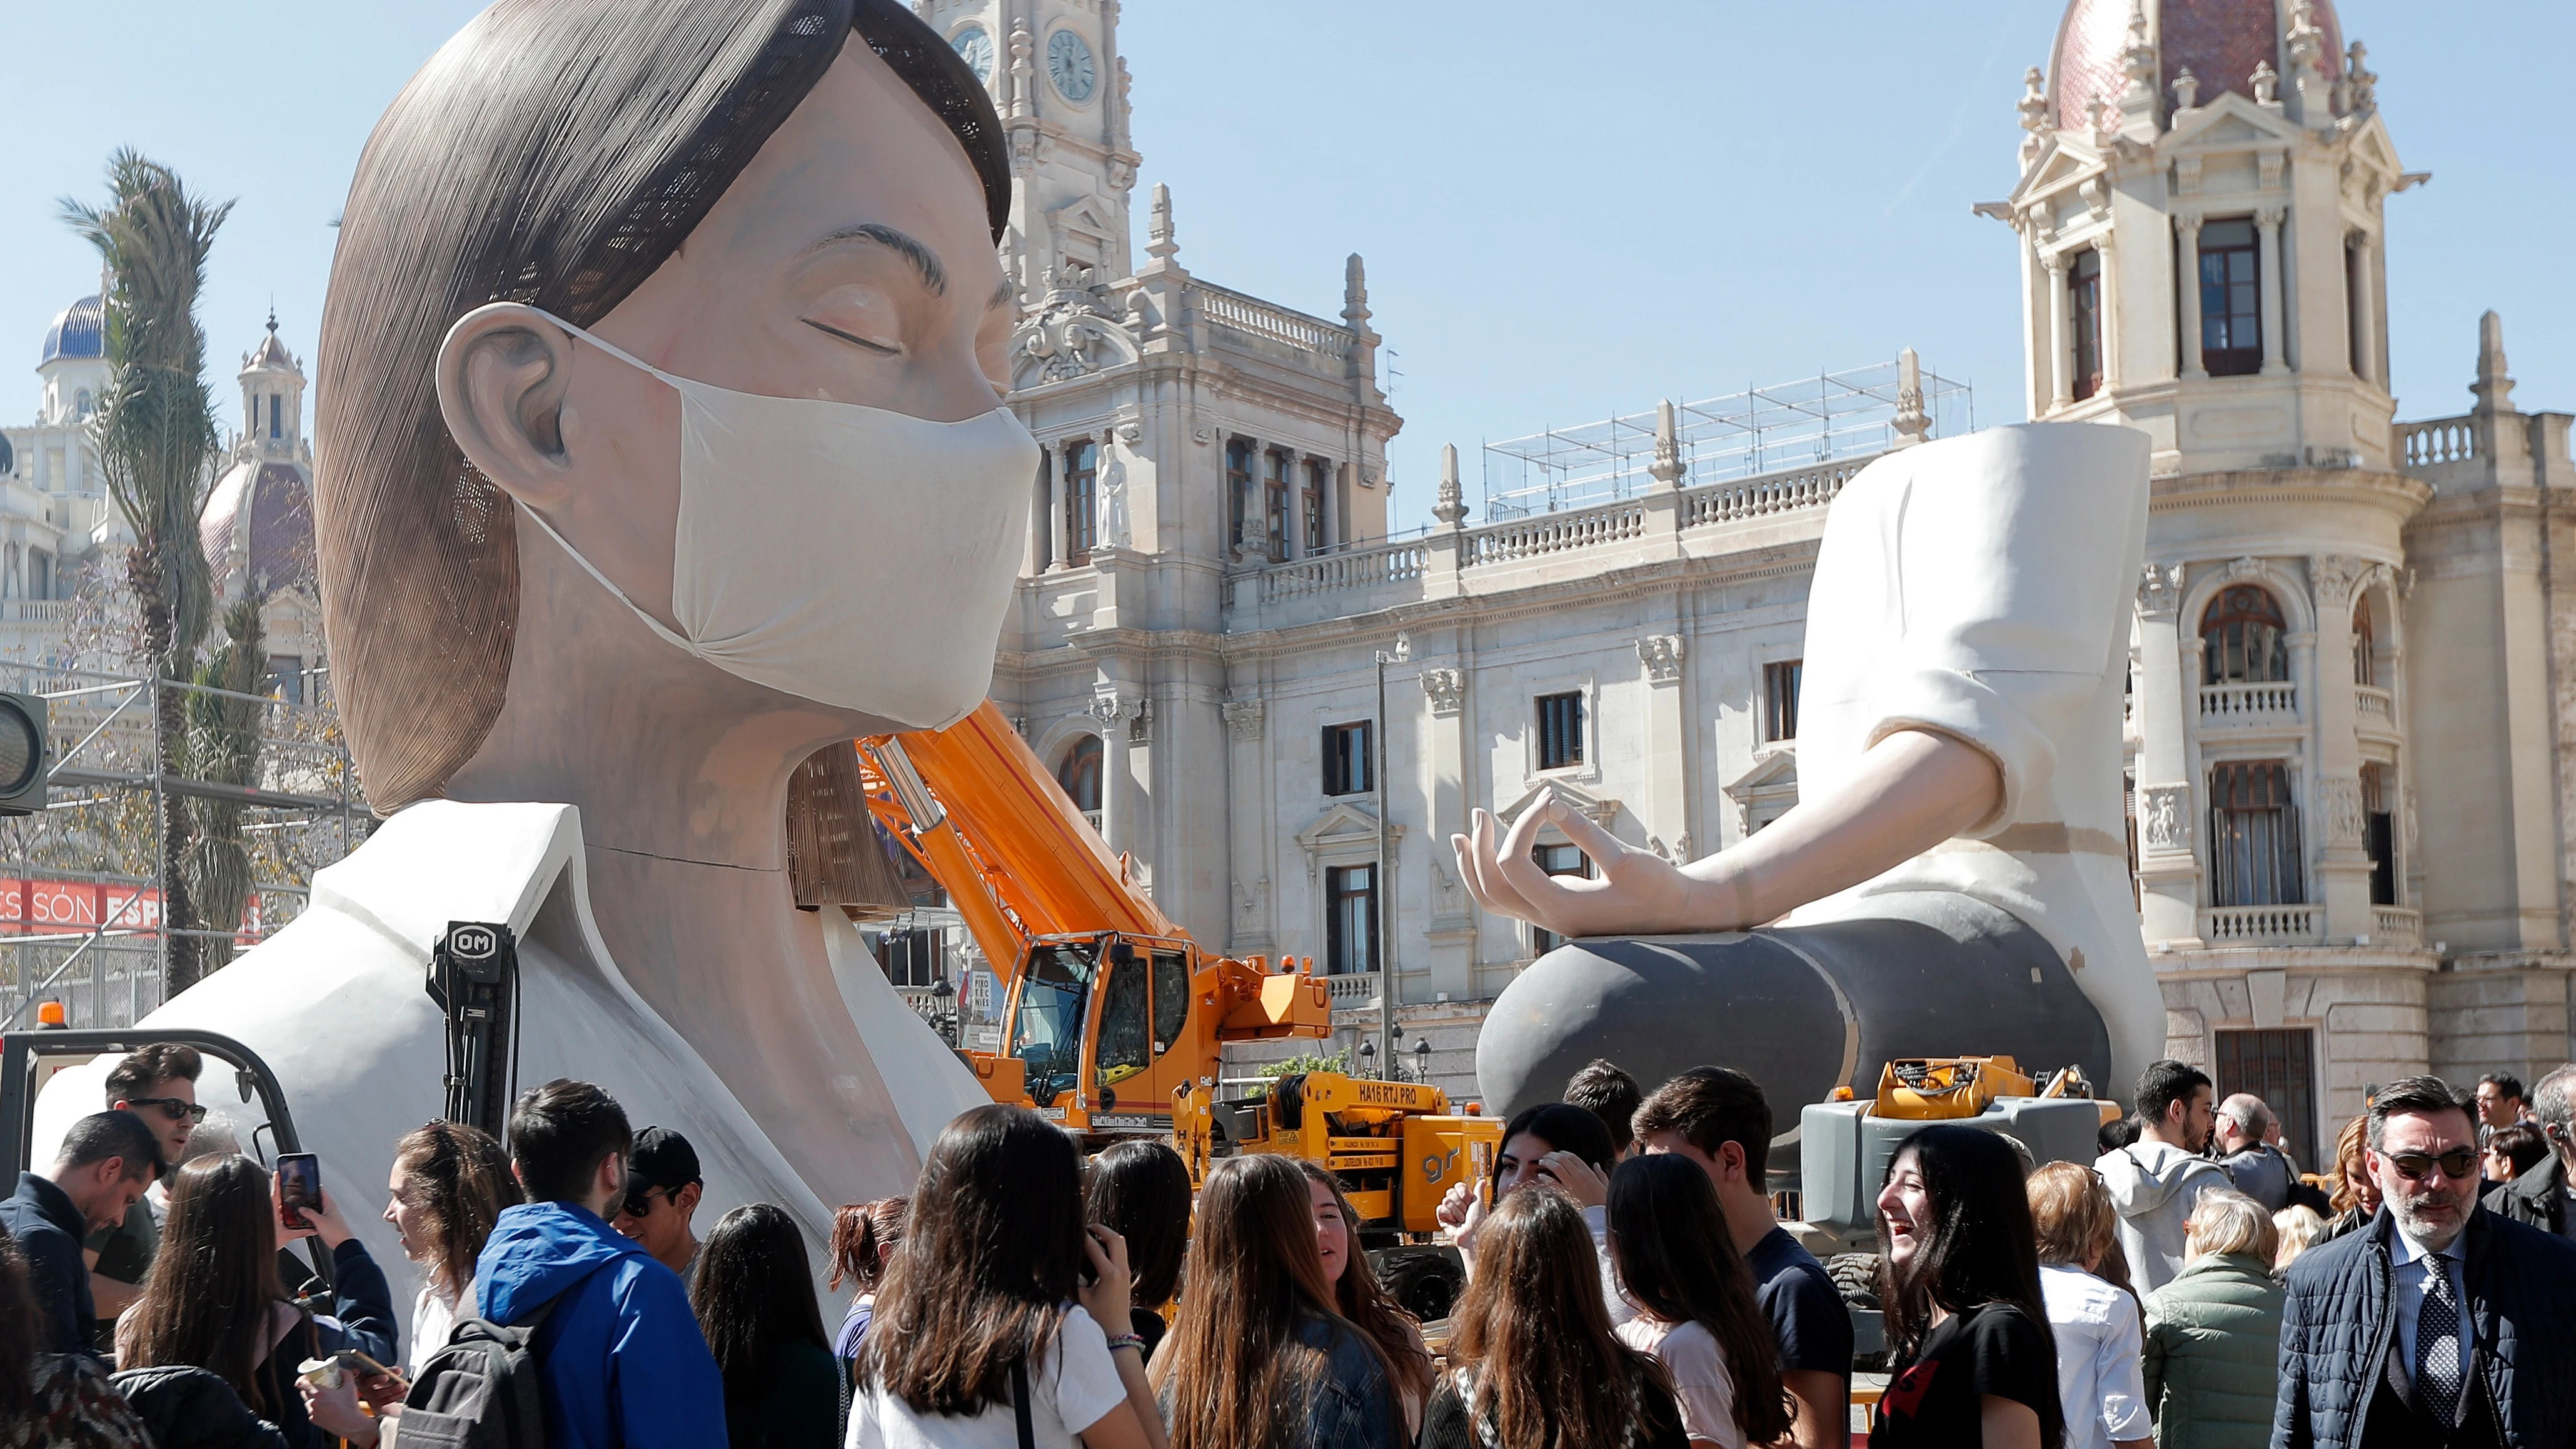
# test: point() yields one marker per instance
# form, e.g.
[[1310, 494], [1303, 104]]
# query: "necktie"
[[2437, 1345]]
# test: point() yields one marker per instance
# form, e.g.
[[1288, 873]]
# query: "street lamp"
[[1368, 1057], [1422, 1059], [1385, 942]]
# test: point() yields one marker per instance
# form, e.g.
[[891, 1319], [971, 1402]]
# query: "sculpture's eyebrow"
[[923, 259]]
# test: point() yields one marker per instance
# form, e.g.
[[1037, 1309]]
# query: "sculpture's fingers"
[[1490, 886], [1547, 896], [1600, 846]]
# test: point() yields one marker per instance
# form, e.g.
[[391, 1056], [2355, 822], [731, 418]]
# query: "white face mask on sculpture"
[[848, 555]]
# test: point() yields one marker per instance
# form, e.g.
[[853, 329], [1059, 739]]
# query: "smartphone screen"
[[299, 1186]]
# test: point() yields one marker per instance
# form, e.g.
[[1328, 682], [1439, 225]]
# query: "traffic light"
[[25, 754]]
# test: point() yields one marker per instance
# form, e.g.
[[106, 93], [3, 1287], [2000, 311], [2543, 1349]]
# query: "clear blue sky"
[[1564, 216]]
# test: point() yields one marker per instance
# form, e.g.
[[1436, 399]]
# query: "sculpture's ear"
[[502, 374]]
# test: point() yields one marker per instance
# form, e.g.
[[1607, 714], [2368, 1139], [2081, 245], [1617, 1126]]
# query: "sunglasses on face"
[[2416, 1166], [170, 1107], [639, 1203]]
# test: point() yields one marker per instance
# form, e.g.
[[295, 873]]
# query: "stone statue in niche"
[[1113, 496], [673, 521], [1954, 878]]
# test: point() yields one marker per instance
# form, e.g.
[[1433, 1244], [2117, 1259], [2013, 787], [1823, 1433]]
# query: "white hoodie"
[[2154, 1185]]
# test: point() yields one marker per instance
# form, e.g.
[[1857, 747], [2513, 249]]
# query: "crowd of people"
[[1627, 1286]]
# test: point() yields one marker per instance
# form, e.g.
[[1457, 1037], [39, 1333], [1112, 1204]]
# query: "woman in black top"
[[754, 1296], [1141, 1191], [1977, 1364], [1533, 1363]]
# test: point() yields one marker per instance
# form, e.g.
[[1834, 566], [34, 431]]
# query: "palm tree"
[[224, 732], [156, 436]]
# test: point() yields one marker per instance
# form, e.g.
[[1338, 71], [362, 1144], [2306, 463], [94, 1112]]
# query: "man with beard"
[[2440, 1323]]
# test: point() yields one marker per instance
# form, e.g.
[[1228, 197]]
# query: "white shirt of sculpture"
[[1983, 587], [337, 1004]]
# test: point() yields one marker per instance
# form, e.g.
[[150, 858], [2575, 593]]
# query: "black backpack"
[[480, 1391]]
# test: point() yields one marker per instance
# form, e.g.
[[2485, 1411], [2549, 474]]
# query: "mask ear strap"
[[611, 348], [656, 625]]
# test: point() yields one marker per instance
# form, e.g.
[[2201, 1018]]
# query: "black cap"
[[664, 1159]]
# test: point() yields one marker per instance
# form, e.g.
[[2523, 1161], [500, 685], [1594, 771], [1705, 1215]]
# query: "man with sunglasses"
[[2438, 1324], [159, 1085], [662, 1188]]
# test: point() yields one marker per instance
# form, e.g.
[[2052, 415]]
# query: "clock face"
[[976, 46], [1069, 65]]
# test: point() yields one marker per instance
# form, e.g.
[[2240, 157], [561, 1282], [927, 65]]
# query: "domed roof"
[[81, 331], [270, 353], [2218, 41], [259, 516]]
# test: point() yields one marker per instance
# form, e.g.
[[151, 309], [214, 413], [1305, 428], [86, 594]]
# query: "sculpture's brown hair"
[[554, 153]]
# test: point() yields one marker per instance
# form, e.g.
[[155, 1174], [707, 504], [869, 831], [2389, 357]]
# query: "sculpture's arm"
[[1914, 789]]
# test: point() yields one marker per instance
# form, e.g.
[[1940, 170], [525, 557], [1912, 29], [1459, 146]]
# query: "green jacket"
[[2212, 1355]]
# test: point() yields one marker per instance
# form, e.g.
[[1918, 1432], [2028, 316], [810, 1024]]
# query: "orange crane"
[[1111, 1009]]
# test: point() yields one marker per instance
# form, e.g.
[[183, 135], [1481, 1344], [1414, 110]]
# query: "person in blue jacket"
[[623, 1363]]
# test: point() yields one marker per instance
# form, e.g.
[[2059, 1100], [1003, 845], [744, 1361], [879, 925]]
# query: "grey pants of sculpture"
[[1800, 1009]]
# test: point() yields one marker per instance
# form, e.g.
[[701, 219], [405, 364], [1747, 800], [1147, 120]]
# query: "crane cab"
[[1100, 1025]]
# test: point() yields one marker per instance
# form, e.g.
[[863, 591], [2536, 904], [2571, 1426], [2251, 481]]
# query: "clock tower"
[[1061, 88]]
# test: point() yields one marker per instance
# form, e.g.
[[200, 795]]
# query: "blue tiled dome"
[[81, 331]]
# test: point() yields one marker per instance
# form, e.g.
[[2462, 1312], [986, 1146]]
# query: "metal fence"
[[81, 900]]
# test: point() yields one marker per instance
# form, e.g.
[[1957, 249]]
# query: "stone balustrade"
[[2262, 703], [1254, 317], [2374, 706], [2396, 926], [2439, 440], [2260, 925]]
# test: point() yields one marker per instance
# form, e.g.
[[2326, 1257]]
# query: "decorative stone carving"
[[1247, 906], [1662, 656], [2335, 578], [1111, 706], [2267, 84], [2159, 588], [2240, 569], [1245, 717], [2187, 168], [2097, 198], [2186, 88], [2339, 796], [1446, 689], [2164, 817], [1070, 332], [1203, 434], [1450, 506]]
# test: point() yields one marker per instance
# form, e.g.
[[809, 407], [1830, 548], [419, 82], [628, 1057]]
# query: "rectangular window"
[[276, 427], [2253, 836], [911, 958], [2379, 834], [286, 677], [1780, 699], [2352, 294], [1081, 486], [1045, 509], [2278, 1066], [1274, 504], [1350, 919], [2231, 300], [1238, 489], [1317, 472], [2084, 306], [1555, 860], [1560, 731], [1347, 757]]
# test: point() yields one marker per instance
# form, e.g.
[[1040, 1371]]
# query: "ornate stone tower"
[[1061, 87], [272, 385], [2200, 217]]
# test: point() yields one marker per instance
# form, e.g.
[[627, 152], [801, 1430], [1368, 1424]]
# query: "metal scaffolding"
[[81, 919], [1738, 435]]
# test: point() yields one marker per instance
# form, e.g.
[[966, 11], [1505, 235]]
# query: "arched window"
[[2241, 638], [80, 403], [2365, 649], [1079, 774]]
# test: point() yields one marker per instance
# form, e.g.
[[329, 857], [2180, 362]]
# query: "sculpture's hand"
[[1635, 891]]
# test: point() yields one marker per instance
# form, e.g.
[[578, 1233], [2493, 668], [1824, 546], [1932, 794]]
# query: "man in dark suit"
[[107, 1160], [2439, 1324]]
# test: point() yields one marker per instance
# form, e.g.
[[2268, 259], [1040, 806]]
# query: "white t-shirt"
[[1690, 1354], [432, 1319], [1073, 1386], [1613, 1295], [2099, 1380]]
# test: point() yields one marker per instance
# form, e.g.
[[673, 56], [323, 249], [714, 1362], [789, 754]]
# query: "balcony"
[[2397, 926], [2269, 702], [2374, 708], [1356, 992], [2260, 925]]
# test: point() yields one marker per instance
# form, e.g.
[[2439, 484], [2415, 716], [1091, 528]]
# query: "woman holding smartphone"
[[214, 1301], [1966, 1319]]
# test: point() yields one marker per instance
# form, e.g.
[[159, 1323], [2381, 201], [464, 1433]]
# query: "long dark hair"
[[989, 1262], [1978, 1249], [1141, 1192], [17, 1336], [209, 1299], [1532, 1326], [1566, 1129], [1365, 1302], [862, 1234], [1678, 1262], [754, 1295], [1233, 1369], [461, 1178], [554, 153]]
